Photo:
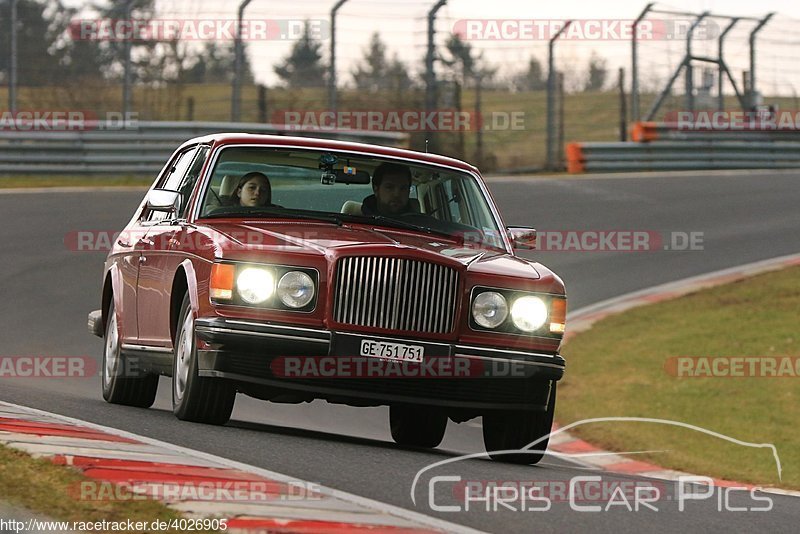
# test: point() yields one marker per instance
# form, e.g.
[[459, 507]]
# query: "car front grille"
[[396, 294]]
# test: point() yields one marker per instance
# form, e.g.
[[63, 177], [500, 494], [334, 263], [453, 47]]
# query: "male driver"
[[391, 183]]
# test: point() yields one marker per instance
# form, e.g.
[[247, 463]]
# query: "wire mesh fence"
[[497, 80]]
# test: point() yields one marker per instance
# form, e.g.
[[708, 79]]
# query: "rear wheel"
[[514, 430], [196, 398], [118, 388], [417, 426]]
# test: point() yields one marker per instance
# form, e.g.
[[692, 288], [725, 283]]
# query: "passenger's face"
[[255, 192], [392, 194]]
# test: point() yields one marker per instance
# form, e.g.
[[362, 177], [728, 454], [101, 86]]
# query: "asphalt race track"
[[47, 291]]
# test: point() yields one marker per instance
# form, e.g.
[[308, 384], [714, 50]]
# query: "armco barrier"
[[645, 132], [681, 155], [663, 146], [141, 148]]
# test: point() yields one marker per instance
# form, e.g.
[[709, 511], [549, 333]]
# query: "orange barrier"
[[644, 132], [575, 158]]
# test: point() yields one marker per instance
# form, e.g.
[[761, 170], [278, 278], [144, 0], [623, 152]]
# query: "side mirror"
[[164, 200], [522, 237]]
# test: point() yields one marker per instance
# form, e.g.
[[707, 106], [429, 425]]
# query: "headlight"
[[490, 309], [296, 289], [255, 285], [529, 313]]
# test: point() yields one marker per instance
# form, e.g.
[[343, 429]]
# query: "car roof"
[[221, 139]]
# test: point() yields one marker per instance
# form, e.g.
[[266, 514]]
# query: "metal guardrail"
[[666, 146], [682, 155], [140, 148], [646, 132]]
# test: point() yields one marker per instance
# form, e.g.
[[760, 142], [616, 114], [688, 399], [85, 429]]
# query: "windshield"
[[263, 182]]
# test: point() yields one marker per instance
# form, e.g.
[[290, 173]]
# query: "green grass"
[[590, 116], [617, 368], [43, 487], [11, 182]]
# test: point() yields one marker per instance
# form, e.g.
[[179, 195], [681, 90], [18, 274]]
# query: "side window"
[[190, 180], [172, 178]]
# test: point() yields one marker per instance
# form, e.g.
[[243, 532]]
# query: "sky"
[[402, 26]]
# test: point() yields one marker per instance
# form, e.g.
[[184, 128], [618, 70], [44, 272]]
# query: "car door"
[[165, 253], [148, 286]]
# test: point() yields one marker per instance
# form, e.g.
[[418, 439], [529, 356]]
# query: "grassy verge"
[[588, 116], [40, 486], [621, 367], [10, 182]]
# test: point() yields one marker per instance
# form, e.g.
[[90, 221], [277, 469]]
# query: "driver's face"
[[392, 194]]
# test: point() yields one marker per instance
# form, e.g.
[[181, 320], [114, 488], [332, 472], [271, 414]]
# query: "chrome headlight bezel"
[[489, 309], [290, 283], [273, 301], [544, 326]]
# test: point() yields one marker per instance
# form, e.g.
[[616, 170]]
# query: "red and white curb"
[[582, 319], [201, 485]]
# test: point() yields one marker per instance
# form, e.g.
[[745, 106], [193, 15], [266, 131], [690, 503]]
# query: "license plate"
[[392, 351]]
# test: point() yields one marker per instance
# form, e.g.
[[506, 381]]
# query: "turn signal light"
[[222, 281], [558, 316]]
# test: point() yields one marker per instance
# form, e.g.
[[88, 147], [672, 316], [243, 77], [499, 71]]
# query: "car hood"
[[247, 237]]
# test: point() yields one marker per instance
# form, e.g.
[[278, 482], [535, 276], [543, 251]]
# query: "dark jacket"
[[369, 206]]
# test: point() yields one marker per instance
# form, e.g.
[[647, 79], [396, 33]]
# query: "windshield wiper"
[[283, 213], [389, 221]]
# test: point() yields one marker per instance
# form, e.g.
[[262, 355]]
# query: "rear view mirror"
[[352, 176], [164, 200], [522, 237]]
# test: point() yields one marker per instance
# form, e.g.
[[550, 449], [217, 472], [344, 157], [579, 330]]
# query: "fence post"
[[551, 90], [723, 68], [127, 76], [560, 144], [332, 96], [689, 76], [751, 99], [236, 97], [623, 108], [635, 62], [430, 74]]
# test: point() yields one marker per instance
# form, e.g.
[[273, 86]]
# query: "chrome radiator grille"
[[396, 294]]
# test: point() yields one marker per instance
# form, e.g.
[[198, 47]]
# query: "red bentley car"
[[293, 269]]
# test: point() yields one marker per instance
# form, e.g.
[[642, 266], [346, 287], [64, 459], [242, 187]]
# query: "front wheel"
[[118, 386], [509, 430], [417, 426], [196, 398]]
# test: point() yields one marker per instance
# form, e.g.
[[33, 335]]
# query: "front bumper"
[[462, 376]]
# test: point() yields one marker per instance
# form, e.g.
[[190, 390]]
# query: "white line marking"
[[367, 503]]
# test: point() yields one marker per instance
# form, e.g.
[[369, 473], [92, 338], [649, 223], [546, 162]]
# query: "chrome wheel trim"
[[183, 356], [111, 355]]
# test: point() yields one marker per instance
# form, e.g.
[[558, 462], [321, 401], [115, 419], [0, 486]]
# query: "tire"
[[195, 398], [417, 426], [138, 391], [514, 430]]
